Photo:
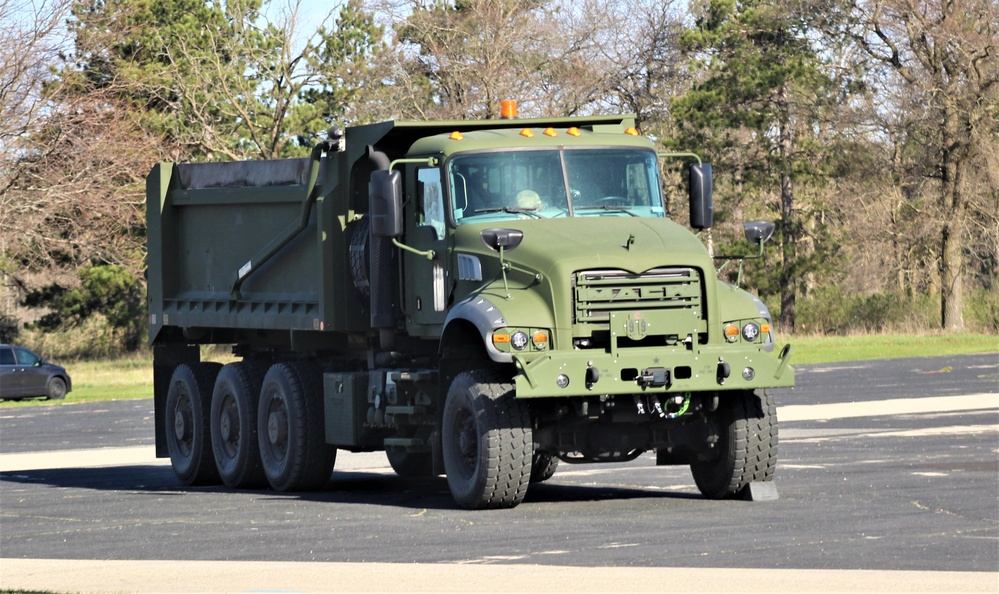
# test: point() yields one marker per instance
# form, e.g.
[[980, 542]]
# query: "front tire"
[[746, 451], [543, 467], [56, 389], [411, 464], [487, 441], [234, 425], [291, 431], [188, 408]]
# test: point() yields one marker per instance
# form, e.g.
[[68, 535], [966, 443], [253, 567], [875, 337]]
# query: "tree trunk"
[[789, 227], [952, 249], [788, 281], [952, 234]]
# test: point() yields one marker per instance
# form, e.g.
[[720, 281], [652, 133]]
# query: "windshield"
[[554, 183]]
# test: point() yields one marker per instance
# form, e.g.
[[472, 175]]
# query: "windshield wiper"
[[610, 207], [511, 210]]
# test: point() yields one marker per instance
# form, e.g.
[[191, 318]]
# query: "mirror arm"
[[429, 162], [677, 155], [428, 254]]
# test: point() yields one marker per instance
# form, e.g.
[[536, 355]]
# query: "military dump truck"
[[479, 299]]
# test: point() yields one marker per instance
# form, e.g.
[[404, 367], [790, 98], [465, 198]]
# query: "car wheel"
[[56, 389]]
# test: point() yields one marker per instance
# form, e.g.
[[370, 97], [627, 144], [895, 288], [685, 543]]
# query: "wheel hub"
[[277, 427], [180, 425], [467, 440], [226, 423]]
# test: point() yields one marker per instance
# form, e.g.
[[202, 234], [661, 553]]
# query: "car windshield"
[[555, 183]]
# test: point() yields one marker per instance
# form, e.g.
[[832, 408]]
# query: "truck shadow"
[[345, 488]]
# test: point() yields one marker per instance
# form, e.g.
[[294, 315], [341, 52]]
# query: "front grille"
[[599, 293]]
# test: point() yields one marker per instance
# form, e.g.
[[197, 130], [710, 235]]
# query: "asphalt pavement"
[[888, 481]]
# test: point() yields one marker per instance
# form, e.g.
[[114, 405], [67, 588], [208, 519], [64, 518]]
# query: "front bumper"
[[660, 370]]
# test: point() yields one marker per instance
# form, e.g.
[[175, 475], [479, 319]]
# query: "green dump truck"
[[480, 299]]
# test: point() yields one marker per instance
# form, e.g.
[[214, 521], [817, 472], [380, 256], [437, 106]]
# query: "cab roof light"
[[527, 132], [550, 132], [457, 136], [508, 109], [632, 131], [574, 131]]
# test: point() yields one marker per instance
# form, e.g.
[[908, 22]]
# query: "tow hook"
[[724, 370]]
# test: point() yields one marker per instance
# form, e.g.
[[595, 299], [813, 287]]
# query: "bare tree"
[[646, 63], [30, 38], [80, 196], [945, 53], [461, 61]]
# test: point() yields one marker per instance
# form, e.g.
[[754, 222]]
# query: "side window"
[[6, 356], [25, 357], [430, 198]]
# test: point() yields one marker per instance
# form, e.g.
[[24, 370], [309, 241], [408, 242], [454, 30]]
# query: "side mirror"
[[508, 239], [758, 232], [385, 203], [701, 206]]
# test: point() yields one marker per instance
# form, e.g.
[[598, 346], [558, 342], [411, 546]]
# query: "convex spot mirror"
[[385, 203], [758, 232]]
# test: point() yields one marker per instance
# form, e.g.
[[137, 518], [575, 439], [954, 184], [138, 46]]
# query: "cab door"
[[11, 385], [426, 279]]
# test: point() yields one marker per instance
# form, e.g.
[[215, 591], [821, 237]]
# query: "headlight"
[[751, 332], [519, 341], [508, 340]]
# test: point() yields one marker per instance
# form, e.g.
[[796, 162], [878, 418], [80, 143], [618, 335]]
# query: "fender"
[[486, 317]]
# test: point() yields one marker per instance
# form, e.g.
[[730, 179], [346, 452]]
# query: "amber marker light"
[[540, 340], [527, 132], [731, 333], [765, 328], [550, 132], [574, 131], [501, 339], [632, 131], [457, 136], [508, 109]]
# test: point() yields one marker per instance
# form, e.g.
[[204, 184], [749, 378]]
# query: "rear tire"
[[290, 429], [746, 451], [487, 441], [234, 425], [188, 408]]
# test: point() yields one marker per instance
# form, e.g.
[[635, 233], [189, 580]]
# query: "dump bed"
[[248, 245]]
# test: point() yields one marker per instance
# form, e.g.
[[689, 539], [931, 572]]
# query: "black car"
[[24, 374]]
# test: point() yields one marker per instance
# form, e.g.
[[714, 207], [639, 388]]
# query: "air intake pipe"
[[380, 270]]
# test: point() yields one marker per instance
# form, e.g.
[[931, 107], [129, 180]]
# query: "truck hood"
[[558, 247]]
